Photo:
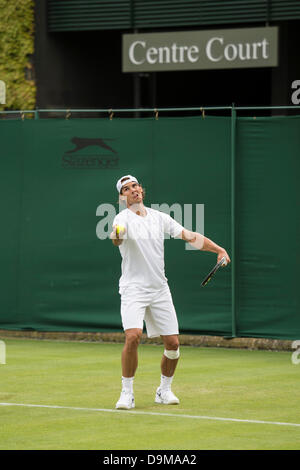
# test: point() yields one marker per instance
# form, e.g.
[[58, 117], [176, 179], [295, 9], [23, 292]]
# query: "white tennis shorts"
[[155, 308]]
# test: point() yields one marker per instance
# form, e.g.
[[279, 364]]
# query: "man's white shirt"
[[142, 249]]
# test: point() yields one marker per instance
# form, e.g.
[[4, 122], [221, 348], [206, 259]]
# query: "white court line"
[[150, 413]]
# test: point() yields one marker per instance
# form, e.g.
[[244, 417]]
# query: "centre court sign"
[[196, 50]]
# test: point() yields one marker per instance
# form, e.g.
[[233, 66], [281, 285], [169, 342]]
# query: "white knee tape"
[[171, 354]]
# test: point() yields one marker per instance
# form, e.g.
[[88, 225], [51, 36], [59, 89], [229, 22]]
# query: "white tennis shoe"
[[126, 401], [166, 397]]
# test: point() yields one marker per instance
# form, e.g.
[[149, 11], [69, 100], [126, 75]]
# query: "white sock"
[[166, 382], [127, 384]]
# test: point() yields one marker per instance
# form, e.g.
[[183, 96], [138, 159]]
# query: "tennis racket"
[[213, 271]]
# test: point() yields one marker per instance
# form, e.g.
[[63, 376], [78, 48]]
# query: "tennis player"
[[139, 231]]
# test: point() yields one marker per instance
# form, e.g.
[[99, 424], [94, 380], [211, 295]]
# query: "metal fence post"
[[233, 224]]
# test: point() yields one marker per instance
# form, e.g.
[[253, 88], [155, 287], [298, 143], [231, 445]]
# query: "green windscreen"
[[59, 271]]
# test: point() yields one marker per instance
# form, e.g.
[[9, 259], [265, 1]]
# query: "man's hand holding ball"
[[117, 234], [120, 231]]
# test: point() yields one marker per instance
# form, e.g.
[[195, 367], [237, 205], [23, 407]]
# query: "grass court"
[[61, 395]]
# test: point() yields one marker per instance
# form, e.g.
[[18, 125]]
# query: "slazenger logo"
[[87, 153]]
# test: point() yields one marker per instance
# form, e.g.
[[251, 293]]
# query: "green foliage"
[[16, 49]]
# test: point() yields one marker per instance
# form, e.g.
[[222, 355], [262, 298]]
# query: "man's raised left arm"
[[200, 242]]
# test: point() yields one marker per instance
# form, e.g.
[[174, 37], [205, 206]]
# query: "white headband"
[[129, 179]]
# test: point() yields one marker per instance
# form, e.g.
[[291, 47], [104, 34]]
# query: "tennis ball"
[[120, 229]]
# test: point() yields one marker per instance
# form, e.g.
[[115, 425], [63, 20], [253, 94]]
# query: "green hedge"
[[16, 51]]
